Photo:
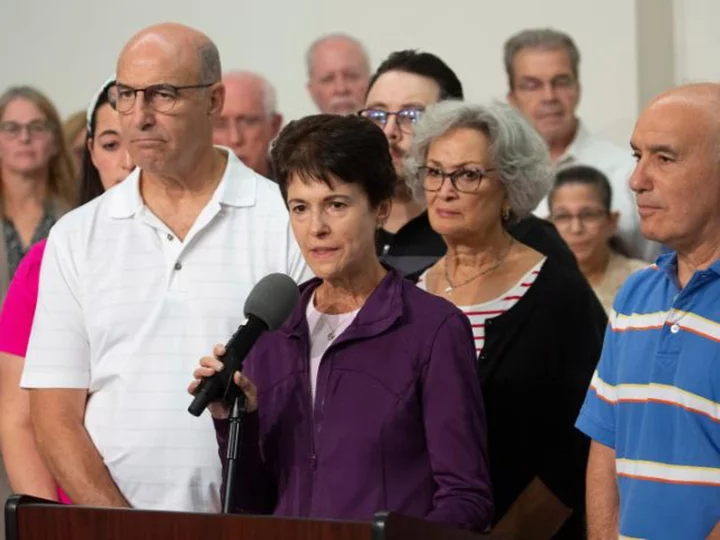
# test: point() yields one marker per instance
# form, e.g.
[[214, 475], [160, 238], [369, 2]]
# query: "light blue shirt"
[[655, 397]]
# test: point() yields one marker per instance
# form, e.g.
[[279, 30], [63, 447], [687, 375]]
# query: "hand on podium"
[[209, 366]]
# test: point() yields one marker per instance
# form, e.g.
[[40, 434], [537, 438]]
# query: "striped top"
[[480, 313], [655, 399]]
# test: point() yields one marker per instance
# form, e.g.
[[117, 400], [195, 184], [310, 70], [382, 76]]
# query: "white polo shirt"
[[617, 164], [126, 310]]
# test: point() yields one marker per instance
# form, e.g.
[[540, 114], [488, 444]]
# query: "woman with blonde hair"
[[75, 135], [37, 177], [105, 164]]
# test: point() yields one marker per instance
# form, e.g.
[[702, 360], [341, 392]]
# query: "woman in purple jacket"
[[367, 398]]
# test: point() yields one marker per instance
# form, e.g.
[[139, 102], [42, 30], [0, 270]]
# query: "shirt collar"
[[237, 187], [581, 137], [667, 262], [383, 307]]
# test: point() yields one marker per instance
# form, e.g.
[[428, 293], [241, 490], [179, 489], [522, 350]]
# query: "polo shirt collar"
[[238, 187], [667, 262], [582, 135]]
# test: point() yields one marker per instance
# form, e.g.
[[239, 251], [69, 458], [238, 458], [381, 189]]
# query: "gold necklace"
[[451, 287]]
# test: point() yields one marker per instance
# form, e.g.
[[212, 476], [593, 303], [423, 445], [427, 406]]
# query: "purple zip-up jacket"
[[397, 425]]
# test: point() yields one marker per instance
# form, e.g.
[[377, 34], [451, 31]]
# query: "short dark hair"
[[329, 147], [587, 176], [90, 184], [426, 65], [590, 176]]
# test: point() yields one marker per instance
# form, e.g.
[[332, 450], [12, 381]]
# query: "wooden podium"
[[30, 518]]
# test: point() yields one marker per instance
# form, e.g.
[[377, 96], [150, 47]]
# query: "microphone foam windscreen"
[[272, 300]]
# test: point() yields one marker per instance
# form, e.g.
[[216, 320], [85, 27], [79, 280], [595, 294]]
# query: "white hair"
[[269, 97], [328, 37], [517, 151], [268, 90]]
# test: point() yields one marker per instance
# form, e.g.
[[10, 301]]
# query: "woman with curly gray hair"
[[535, 322]]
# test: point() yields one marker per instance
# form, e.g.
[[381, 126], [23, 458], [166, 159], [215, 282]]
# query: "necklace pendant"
[[449, 289], [331, 335]]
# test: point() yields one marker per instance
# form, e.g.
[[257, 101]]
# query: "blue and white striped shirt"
[[655, 399]]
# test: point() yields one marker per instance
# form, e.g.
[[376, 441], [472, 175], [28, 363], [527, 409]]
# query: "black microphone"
[[268, 305]]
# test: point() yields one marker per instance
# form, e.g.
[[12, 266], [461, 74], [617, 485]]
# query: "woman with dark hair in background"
[[105, 163], [580, 203], [37, 177], [367, 398]]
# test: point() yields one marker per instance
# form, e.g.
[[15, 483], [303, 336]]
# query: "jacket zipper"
[[313, 452]]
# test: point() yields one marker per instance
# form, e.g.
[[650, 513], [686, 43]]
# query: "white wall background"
[[67, 48], [697, 40]]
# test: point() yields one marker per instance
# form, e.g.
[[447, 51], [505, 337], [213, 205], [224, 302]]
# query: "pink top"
[[19, 307], [18, 310]]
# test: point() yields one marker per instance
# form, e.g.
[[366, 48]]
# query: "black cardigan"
[[416, 246], [535, 368]]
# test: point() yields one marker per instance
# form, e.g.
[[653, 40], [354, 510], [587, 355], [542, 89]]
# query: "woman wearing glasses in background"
[[105, 163], [480, 168], [37, 178], [580, 203]]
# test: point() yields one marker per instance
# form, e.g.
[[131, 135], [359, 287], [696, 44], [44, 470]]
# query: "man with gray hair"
[[141, 281], [338, 74], [249, 120], [542, 66]]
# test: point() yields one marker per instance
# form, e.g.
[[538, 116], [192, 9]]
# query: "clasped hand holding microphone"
[[268, 305]]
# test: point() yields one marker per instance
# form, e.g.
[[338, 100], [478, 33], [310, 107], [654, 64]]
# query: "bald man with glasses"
[[142, 281]]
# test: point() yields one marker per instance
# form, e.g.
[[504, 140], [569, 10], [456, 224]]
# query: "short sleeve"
[[18, 308], [597, 415], [58, 354]]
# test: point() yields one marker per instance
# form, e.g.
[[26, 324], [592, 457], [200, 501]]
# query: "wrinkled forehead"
[[542, 62], [678, 124], [154, 60], [243, 97], [337, 56], [307, 186], [21, 109], [396, 90]]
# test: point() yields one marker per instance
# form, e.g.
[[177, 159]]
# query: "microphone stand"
[[237, 415]]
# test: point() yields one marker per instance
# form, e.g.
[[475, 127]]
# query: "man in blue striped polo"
[[653, 408]]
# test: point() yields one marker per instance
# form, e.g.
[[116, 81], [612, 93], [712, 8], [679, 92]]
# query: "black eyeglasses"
[[161, 97], [463, 180], [36, 128], [587, 217], [405, 118]]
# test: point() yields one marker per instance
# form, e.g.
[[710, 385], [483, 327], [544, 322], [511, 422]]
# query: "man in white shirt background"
[[142, 281], [543, 76], [249, 120]]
